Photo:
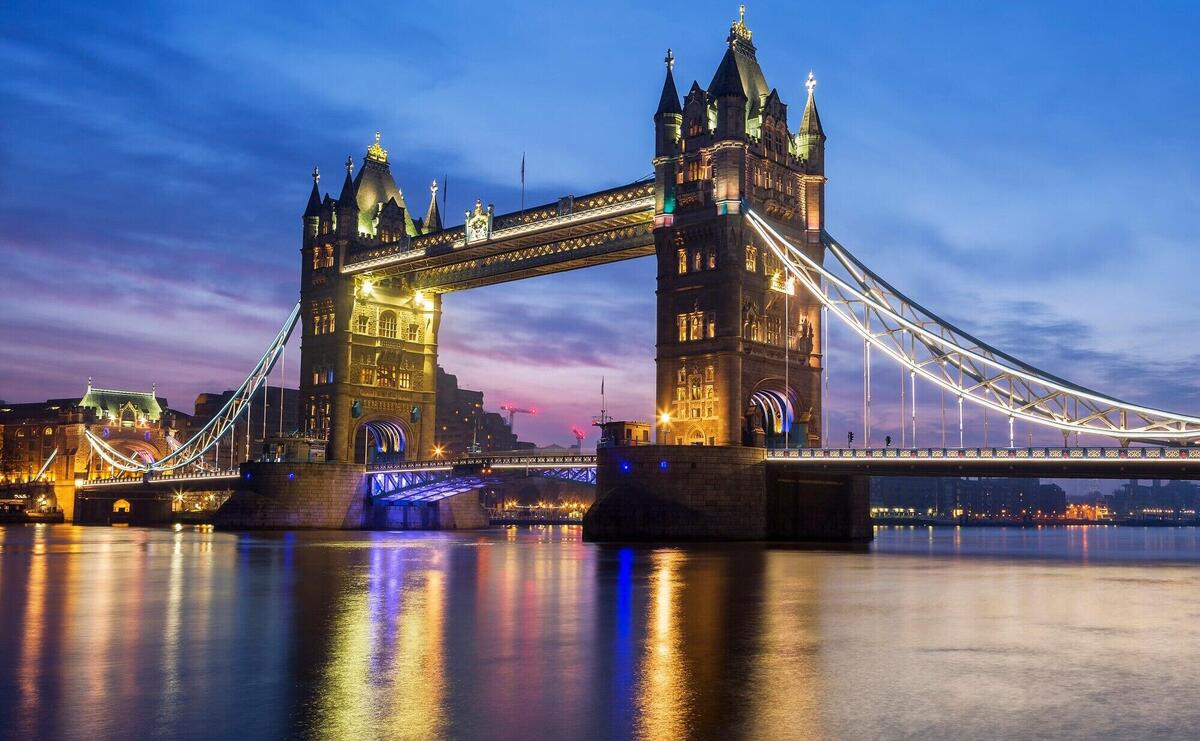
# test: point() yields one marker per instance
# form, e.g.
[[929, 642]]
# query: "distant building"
[[617, 434], [138, 424], [462, 422], [983, 498]]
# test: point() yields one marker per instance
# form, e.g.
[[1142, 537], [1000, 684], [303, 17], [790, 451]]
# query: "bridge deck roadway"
[[1083, 463]]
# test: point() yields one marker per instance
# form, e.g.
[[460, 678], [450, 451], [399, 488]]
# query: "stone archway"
[[381, 440]]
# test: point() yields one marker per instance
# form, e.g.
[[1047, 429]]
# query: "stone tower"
[[739, 352], [368, 364]]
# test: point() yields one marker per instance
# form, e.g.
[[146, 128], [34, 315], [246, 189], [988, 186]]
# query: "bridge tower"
[[739, 353], [368, 367]]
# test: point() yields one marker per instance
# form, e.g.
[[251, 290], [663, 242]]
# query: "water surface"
[[531, 633]]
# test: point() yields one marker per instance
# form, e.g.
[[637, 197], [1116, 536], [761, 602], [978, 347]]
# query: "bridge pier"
[[704, 493]]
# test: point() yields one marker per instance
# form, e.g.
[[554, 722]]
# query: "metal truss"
[[580, 475], [937, 351], [192, 450], [385, 488]]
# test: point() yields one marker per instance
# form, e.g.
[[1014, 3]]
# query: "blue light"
[[247, 475], [663, 465], [291, 475], [626, 466]]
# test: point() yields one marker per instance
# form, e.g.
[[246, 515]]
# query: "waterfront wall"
[[668, 493]]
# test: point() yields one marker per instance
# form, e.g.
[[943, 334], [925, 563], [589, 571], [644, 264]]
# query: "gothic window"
[[697, 263], [773, 330], [683, 327], [404, 379], [387, 325], [751, 258], [682, 375], [386, 376], [695, 127], [697, 325], [708, 373], [362, 324], [710, 324], [712, 260], [682, 261], [414, 331], [680, 393], [693, 170], [367, 376]]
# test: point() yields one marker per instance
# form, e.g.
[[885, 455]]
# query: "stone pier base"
[[296, 495], [679, 493]]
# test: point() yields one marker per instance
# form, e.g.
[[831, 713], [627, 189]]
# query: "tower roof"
[[811, 123], [375, 186], [347, 195], [739, 68], [668, 102], [433, 217], [314, 198], [110, 403]]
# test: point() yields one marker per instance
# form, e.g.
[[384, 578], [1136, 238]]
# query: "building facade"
[[738, 351], [463, 425]]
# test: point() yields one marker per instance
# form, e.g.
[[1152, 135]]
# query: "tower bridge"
[[748, 279]]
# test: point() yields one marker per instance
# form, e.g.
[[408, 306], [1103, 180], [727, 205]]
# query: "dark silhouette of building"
[[464, 425], [262, 421]]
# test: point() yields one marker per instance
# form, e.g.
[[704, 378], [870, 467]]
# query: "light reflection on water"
[[1063, 633]]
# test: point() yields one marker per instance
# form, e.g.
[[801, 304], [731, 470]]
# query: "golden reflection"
[[35, 628], [403, 604], [663, 697]]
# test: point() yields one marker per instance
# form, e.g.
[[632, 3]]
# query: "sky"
[[1029, 170]]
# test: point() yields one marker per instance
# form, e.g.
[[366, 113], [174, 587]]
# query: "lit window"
[[404, 379], [708, 373], [697, 325], [682, 262], [414, 331], [367, 376], [362, 324], [682, 375], [683, 327], [751, 258], [387, 324], [697, 263], [711, 325], [712, 260]]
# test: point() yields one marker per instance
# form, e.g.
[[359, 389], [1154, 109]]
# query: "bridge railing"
[[232, 473], [496, 461], [942, 454]]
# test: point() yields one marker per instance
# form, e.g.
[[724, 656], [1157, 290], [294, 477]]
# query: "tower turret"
[[347, 205], [810, 138], [312, 213], [667, 122]]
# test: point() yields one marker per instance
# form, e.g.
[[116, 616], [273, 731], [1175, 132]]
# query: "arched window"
[[362, 324], [387, 324]]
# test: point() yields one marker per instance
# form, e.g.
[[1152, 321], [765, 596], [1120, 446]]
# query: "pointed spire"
[[347, 195], [810, 125], [668, 102], [314, 198], [433, 217]]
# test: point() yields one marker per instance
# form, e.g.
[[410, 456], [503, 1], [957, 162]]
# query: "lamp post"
[[664, 422]]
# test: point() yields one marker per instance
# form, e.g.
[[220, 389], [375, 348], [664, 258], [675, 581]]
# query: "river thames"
[[531, 633]]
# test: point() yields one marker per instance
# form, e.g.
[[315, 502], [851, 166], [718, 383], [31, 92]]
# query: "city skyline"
[[171, 202]]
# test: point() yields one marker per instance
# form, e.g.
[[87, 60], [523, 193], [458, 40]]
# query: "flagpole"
[[522, 181]]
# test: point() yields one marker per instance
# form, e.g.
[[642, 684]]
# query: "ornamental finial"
[[316, 175], [738, 28], [349, 164], [670, 60], [376, 151], [433, 187], [810, 83]]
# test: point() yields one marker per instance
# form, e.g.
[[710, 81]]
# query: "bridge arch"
[[774, 406], [381, 439]]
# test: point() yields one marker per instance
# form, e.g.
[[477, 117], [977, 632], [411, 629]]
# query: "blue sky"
[[1029, 170]]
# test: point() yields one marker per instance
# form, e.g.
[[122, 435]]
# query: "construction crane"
[[513, 410], [579, 436]]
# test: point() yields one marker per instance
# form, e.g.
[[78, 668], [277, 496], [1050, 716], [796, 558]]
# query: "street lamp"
[[438, 451], [664, 420]]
